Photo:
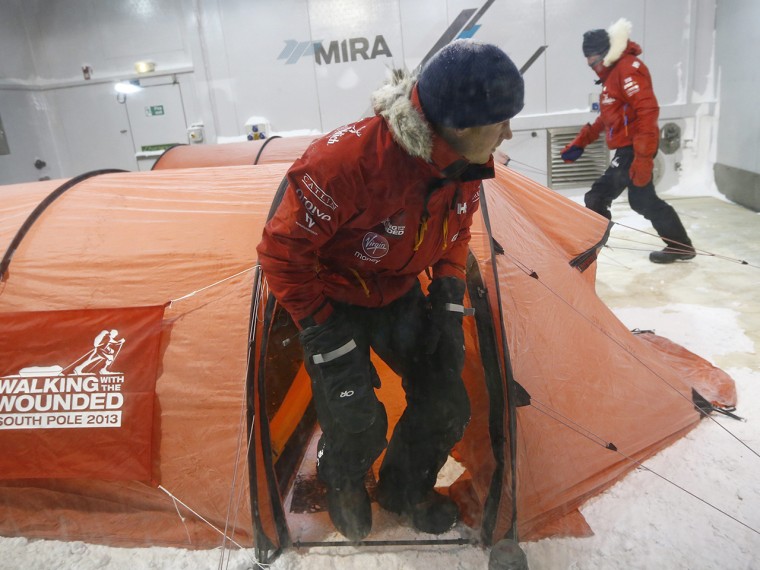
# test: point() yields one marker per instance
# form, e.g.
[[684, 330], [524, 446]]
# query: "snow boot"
[[435, 514], [673, 253], [350, 510]]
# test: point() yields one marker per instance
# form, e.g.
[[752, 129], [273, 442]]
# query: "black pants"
[[437, 405], [643, 199]]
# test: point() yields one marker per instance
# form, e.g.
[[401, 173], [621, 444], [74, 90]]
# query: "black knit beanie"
[[596, 42], [470, 84]]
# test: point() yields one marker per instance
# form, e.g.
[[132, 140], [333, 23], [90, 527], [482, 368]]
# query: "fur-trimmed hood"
[[620, 42], [407, 124]]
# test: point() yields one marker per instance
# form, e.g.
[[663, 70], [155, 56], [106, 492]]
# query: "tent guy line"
[[702, 252], [594, 438], [212, 285], [526, 166], [522, 267], [576, 427], [709, 504], [233, 504], [176, 500]]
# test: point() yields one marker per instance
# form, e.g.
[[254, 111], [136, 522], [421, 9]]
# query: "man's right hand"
[[571, 152]]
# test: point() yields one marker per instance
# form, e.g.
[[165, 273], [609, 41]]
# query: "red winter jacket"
[[629, 108], [367, 208]]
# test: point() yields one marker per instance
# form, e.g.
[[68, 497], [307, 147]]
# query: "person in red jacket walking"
[[628, 116], [367, 208]]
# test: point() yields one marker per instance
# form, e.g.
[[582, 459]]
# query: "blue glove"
[[571, 153]]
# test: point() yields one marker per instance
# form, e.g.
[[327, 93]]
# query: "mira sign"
[[464, 25], [336, 51]]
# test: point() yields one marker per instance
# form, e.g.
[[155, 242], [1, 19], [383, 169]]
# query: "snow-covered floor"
[[699, 510]]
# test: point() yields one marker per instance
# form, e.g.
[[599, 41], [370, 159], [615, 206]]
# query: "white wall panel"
[[256, 82], [422, 24], [63, 38], [212, 71], [108, 36], [527, 151], [665, 38], [92, 129], [16, 62], [25, 120], [704, 86], [569, 80], [229, 57], [518, 28], [738, 51], [344, 85]]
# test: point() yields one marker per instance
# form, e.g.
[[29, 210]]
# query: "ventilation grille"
[[581, 173]]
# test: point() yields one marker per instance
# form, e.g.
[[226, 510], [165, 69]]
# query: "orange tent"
[[112, 278], [261, 151]]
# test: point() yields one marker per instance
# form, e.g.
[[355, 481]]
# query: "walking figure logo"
[[100, 358]]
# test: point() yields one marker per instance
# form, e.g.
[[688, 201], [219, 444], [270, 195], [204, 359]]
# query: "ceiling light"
[[128, 87], [145, 66]]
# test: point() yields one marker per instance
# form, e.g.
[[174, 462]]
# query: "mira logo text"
[[336, 51]]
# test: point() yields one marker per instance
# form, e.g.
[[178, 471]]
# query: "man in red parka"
[[368, 207], [628, 116]]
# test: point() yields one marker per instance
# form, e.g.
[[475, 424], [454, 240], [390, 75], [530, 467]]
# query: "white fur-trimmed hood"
[[408, 126], [619, 33]]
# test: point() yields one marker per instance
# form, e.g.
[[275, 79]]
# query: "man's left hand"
[[641, 170], [444, 338]]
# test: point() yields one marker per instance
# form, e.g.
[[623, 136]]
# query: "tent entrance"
[[283, 396]]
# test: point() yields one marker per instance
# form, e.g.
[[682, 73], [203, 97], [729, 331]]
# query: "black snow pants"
[[643, 199], [437, 406]]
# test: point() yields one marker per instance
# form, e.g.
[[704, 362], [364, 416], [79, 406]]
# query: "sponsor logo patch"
[[375, 245], [630, 86], [394, 229], [320, 194], [337, 134], [311, 207]]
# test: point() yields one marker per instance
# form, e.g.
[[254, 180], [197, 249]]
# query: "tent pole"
[[41, 207], [508, 375]]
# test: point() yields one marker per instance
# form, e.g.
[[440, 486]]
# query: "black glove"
[[342, 376], [444, 331], [571, 153]]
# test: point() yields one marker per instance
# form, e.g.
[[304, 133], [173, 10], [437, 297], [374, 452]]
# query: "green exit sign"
[[154, 110]]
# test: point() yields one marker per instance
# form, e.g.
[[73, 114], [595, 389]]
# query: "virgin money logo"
[[375, 245]]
